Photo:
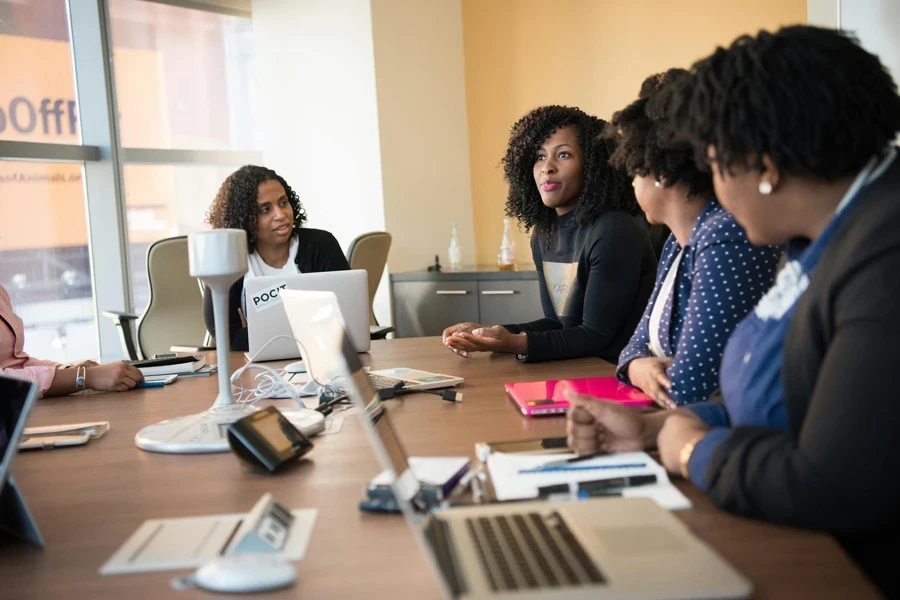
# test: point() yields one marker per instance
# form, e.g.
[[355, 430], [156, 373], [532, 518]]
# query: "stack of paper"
[[514, 478]]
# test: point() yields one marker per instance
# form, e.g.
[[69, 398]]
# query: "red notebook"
[[536, 398]]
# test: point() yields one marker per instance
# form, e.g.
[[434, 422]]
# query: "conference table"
[[88, 500]]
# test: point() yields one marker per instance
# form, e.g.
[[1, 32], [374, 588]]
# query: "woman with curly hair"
[[593, 256], [799, 127], [709, 275], [260, 202]]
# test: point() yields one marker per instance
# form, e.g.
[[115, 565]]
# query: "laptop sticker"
[[265, 299]]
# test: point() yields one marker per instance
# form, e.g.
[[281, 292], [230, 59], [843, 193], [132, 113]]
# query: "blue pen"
[[580, 468], [150, 384]]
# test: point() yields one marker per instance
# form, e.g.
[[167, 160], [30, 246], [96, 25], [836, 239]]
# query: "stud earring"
[[765, 188], [658, 183]]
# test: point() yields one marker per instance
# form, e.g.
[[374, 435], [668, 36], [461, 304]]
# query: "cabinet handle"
[[498, 292], [451, 292]]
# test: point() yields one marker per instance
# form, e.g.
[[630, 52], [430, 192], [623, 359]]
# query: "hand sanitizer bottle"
[[506, 260], [454, 253]]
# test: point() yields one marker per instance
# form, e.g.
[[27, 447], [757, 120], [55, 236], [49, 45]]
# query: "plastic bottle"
[[506, 260], [454, 253]]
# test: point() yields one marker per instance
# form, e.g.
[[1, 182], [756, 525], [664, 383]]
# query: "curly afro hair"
[[810, 98], [235, 204], [646, 143], [605, 187]]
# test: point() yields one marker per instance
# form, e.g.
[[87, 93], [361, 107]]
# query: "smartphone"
[[533, 446], [45, 442], [166, 379]]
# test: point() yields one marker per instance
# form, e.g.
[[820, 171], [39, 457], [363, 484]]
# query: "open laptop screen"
[[16, 399]]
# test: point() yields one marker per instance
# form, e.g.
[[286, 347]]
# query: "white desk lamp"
[[217, 258]]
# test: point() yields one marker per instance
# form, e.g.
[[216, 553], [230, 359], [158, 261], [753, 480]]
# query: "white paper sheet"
[[429, 470], [169, 544], [509, 484]]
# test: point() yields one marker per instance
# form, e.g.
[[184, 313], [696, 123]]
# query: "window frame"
[[104, 158]]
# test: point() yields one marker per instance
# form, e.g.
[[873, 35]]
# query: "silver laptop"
[[309, 312], [599, 548], [17, 398], [266, 318]]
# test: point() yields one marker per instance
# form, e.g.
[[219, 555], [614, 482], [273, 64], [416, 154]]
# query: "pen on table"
[[581, 468], [568, 461], [598, 487], [151, 384]]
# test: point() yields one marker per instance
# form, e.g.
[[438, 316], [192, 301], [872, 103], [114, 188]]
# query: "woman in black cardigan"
[[798, 127], [260, 202]]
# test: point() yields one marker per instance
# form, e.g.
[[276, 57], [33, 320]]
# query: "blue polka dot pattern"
[[721, 278]]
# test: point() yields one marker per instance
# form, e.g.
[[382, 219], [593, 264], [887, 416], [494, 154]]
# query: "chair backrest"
[[174, 315], [369, 251]]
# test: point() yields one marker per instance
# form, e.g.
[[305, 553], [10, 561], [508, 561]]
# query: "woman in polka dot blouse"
[[709, 275]]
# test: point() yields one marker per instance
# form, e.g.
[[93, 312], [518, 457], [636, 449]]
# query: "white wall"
[[877, 24], [824, 13], [317, 99], [363, 110], [420, 77]]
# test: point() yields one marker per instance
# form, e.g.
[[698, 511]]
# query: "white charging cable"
[[272, 383]]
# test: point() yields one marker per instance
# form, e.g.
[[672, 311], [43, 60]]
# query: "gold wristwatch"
[[685, 456]]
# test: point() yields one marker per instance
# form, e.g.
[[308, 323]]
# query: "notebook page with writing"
[[510, 484]]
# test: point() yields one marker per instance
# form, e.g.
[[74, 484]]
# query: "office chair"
[[369, 251], [174, 314]]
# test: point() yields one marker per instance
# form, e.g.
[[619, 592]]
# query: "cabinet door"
[[505, 302], [423, 308]]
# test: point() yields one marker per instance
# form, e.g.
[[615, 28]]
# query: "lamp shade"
[[218, 257]]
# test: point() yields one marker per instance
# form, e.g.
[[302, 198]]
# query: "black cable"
[[448, 395]]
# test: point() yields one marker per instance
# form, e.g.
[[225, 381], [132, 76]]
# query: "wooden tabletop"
[[88, 500]]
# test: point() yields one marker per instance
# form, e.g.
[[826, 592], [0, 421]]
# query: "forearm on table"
[[654, 421], [63, 383]]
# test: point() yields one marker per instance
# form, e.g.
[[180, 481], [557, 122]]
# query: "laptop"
[[309, 312], [17, 398], [266, 316], [624, 548]]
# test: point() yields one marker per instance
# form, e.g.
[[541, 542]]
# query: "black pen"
[[598, 487], [568, 461], [615, 483]]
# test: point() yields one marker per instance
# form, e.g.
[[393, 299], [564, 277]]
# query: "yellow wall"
[[594, 54]]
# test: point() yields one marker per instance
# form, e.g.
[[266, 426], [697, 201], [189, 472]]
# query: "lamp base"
[[206, 432]]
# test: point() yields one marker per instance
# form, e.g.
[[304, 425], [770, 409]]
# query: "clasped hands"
[[465, 338], [595, 425]]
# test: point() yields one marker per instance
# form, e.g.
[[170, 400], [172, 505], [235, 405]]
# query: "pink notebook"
[[536, 398]]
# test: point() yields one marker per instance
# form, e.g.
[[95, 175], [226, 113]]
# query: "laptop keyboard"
[[531, 551], [380, 382]]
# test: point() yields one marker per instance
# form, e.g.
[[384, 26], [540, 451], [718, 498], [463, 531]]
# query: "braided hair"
[[810, 98], [605, 187], [646, 142]]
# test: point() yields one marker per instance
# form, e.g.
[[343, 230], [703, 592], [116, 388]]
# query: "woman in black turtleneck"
[[595, 263]]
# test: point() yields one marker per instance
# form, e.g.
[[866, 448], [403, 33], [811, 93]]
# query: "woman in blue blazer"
[[709, 276]]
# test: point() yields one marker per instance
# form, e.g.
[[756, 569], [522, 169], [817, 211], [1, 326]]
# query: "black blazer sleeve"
[[837, 473]]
